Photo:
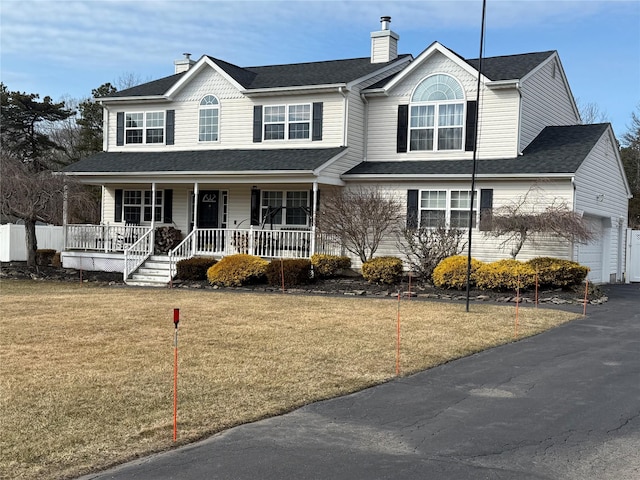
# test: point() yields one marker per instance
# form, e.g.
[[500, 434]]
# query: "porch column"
[[196, 191], [314, 212], [153, 205]]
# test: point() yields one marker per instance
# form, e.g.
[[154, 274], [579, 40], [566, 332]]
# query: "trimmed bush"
[[237, 270], [325, 266], [557, 273], [452, 272], [382, 270], [44, 257], [194, 269], [505, 275], [296, 272]]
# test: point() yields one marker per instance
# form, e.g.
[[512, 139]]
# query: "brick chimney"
[[184, 64], [384, 44]]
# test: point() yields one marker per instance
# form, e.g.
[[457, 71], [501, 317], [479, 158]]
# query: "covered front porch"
[[126, 248], [222, 202]]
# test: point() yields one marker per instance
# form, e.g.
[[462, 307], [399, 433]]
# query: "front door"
[[208, 209]]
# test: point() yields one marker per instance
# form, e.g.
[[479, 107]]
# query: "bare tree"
[[426, 247], [519, 222], [37, 196], [590, 112], [360, 218]]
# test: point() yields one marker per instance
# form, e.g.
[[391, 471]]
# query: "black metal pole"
[[475, 151]]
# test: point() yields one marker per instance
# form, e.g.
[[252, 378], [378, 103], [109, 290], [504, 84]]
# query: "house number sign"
[[209, 198]]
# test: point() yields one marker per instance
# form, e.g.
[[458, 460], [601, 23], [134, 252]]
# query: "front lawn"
[[87, 371]]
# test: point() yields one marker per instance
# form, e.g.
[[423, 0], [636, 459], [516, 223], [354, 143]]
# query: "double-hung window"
[[143, 128], [436, 120], [137, 205], [285, 208], [209, 119], [448, 208], [287, 122]]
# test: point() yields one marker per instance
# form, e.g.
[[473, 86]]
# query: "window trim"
[[145, 128], [145, 196], [287, 122], [448, 207], [283, 211], [436, 128], [209, 107]]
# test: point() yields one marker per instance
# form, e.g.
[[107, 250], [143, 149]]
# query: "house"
[[236, 157]]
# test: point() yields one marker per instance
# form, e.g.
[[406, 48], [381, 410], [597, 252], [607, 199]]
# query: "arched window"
[[209, 112], [437, 114]]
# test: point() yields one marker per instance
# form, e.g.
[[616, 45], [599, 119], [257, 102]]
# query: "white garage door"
[[591, 254]]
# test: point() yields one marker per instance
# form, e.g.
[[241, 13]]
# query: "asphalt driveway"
[[561, 405]]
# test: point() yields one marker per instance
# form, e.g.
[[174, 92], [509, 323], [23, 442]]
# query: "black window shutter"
[[257, 124], [118, 208], [403, 126], [120, 128], [255, 206], [171, 123], [317, 122], [472, 118], [168, 206], [412, 208], [486, 209]]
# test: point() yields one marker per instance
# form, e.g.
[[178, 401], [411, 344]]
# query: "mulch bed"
[[347, 285]]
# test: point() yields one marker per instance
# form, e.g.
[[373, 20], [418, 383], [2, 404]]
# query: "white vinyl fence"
[[13, 248]]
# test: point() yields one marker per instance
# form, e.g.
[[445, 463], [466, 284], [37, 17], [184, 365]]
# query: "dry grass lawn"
[[87, 371]]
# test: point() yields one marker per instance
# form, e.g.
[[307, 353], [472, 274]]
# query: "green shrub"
[[296, 272], [557, 273], [382, 270], [194, 269], [237, 270], [44, 257], [325, 266], [452, 272], [505, 275]]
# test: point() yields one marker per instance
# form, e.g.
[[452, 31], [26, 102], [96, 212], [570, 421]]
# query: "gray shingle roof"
[[270, 76], [555, 150], [156, 87], [205, 161], [510, 67]]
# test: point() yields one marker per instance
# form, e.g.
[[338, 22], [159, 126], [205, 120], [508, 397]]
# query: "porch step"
[[155, 272]]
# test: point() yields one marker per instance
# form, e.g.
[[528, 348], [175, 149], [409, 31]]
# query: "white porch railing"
[[136, 254], [220, 242], [103, 238]]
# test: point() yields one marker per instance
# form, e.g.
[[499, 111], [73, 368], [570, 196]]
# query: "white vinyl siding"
[[546, 101], [235, 117], [603, 197]]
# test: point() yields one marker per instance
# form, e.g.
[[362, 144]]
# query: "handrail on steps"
[[137, 254], [185, 249]]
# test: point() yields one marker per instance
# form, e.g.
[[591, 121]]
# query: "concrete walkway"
[[561, 405]]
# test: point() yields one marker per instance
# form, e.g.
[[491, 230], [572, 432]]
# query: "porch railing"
[[103, 238], [136, 254]]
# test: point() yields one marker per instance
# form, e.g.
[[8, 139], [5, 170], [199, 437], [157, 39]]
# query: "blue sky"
[[65, 48]]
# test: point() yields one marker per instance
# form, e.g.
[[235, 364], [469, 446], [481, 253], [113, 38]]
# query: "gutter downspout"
[[573, 255], [345, 109], [365, 127], [518, 149]]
